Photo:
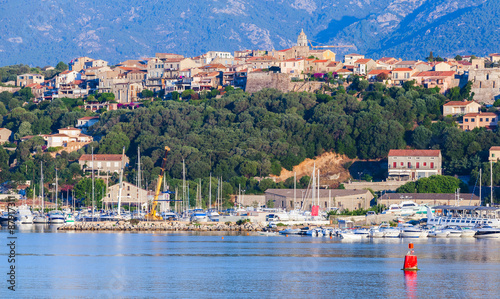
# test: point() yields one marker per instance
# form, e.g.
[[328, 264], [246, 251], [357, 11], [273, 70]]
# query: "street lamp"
[[359, 175]]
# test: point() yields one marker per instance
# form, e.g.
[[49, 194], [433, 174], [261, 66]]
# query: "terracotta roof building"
[[103, 162], [413, 164]]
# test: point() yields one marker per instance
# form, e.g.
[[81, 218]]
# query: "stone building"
[[27, 79], [413, 164], [328, 198], [485, 84], [131, 195], [494, 154], [103, 162]]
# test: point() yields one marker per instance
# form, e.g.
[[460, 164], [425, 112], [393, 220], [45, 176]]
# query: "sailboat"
[[56, 216], [41, 218]]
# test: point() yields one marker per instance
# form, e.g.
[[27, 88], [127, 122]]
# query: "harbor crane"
[[152, 214], [325, 47]]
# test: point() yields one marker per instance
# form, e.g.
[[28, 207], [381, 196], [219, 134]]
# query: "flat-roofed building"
[[488, 120], [413, 164], [328, 198]]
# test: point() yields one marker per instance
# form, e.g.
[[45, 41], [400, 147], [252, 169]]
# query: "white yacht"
[[464, 216], [56, 217], [487, 232], [199, 216], [393, 209], [40, 218], [410, 231], [213, 216], [409, 208], [24, 215]]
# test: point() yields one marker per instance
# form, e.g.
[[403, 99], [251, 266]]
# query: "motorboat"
[[168, 216], [290, 231], [385, 231], [393, 209], [24, 215], [467, 233], [199, 216], [357, 234], [213, 216], [409, 208], [40, 218], [69, 218], [487, 232], [56, 217], [410, 231]]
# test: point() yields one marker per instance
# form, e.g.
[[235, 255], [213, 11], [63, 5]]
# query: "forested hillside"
[[240, 136]]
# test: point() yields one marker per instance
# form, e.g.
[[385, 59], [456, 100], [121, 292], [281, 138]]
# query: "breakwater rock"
[[161, 226]]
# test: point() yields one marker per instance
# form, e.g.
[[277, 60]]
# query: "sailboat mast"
[[93, 207], [56, 188], [210, 193], [491, 181], [313, 184], [121, 182], [138, 178], [480, 187], [41, 187]]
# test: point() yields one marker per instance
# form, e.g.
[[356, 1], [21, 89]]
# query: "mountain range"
[[43, 32]]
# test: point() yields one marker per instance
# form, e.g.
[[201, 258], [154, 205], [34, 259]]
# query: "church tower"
[[302, 39]]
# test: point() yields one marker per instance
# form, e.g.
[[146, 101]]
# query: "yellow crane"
[[341, 46], [152, 214]]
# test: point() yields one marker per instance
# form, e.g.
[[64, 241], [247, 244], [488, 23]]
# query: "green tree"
[[61, 66], [83, 191], [24, 130], [458, 58], [113, 143]]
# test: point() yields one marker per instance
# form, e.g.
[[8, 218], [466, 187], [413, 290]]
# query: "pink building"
[[488, 120]]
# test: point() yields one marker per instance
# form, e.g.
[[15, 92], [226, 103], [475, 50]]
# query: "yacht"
[[199, 216], [409, 208], [213, 216], [40, 218], [464, 216], [24, 215], [487, 232], [69, 218], [410, 231], [393, 209], [56, 217], [385, 231]]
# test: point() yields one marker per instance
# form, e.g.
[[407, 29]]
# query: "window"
[[493, 119], [425, 163], [466, 120], [409, 164], [402, 163], [472, 120], [481, 119], [487, 119], [432, 165], [117, 164], [394, 165], [493, 155], [418, 165]]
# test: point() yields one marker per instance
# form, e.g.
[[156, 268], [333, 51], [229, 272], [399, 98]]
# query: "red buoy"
[[411, 263]]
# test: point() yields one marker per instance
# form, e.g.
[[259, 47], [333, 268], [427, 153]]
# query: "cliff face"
[[56, 30]]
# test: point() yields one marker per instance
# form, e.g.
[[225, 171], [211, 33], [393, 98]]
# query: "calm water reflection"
[[187, 265]]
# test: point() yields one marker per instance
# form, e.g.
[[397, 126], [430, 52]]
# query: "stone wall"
[[9, 89], [260, 80], [485, 84]]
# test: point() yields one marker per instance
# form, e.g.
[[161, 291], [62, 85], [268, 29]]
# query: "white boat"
[[487, 232], [393, 209], [69, 219], [409, 208], [464, 216], [357, 234], [410, 231], [213, 216], [199, 216], [56, 217], [468, 233], [24, 215], [41, 218]]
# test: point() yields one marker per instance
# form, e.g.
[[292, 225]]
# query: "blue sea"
[[51, 264]]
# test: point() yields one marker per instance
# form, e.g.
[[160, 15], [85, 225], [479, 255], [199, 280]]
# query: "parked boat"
[[487, 232], [410, 231], [40, 218], [464, 216], [56, 217], [199, 216], [24, 215]]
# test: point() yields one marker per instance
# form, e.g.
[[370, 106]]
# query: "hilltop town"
[[406, 114]]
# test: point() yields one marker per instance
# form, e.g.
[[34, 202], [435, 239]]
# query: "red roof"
[[436, 74], [320, 61], [495, 148], [378, 72], [101, 157], [458, 103], [284, 50], [480, 114], [414, 153], [344, 71], [362, 61], [402, 69]]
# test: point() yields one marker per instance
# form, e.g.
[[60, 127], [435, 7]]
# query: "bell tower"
[[302, 39]]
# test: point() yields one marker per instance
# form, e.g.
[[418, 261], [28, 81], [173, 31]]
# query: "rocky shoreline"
[[163, 226]]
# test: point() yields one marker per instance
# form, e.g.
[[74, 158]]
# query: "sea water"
[[51, 264]]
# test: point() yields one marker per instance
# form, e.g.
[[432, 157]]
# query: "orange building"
[[488, 120]]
